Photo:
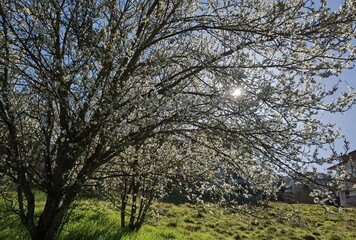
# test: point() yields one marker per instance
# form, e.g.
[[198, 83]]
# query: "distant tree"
[[138, 176], [84, 81]]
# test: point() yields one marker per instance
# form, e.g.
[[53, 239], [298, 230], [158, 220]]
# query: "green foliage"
[[94, 219]]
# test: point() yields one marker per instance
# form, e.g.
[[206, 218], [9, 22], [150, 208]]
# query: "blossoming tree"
[[85, 81]]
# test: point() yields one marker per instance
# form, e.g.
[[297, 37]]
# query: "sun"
[[237, 92]]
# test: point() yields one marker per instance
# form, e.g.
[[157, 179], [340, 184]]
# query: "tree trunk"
[[51, 219]]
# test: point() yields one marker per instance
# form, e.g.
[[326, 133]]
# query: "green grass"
[[278, 221], [96, 220]]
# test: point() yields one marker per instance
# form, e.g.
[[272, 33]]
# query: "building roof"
[[344, 159]]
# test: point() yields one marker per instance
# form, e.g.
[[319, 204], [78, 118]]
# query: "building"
[[347, 192]]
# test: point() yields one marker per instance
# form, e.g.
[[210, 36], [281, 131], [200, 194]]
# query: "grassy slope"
[[96, 220]]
